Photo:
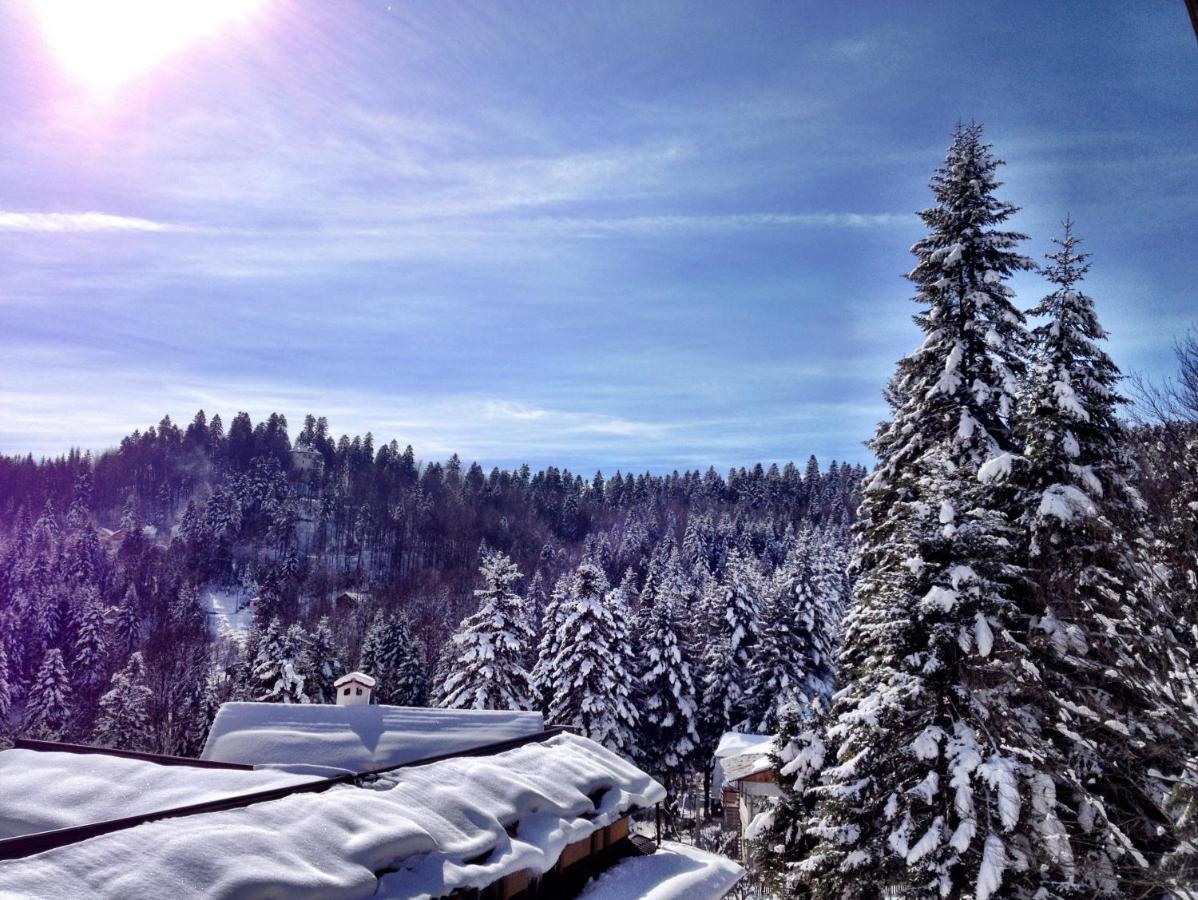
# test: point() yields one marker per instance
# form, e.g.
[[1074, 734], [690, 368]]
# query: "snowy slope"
[[355, 738], [43, 791], [423, 832], [229, 611], [674, 872]]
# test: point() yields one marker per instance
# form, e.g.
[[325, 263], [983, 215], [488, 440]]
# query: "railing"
[[29, 844]]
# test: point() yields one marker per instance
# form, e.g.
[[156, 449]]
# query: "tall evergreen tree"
[[123, 721], [734, 604], [91, 644], [280, 665], [665, 692], [543, 673], [592, 671], [1100, 633], [941, 784], [48, 703], [491, 645], [5, 688], [324, 666], [392, 657]]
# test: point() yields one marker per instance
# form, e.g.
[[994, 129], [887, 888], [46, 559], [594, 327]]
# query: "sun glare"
[[103, 44]]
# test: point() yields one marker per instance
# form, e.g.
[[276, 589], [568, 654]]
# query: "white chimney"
[[354, 689]]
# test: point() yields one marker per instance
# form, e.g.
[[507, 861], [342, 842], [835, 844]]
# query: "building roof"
[[425, 831], [44, 791], [320, 738], [738, 743], [358, 677]]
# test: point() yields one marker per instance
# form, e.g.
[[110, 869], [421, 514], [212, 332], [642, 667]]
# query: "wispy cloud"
[[78, 222]]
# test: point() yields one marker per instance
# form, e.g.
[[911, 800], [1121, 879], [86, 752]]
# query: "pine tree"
[[391, 656], [665, 694], [324, 665], [126, 623], [1099, 632], [776, 672], [941, 782], [5, 689], [491, 645], [591, 671], [543, 673], [48, 703], [734, 604], [124, 709], [91, 644], [278, 672]]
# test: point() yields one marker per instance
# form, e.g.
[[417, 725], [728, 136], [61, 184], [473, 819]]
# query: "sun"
[[104, 43]]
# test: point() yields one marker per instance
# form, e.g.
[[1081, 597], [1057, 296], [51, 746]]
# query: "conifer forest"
[[979, 653]]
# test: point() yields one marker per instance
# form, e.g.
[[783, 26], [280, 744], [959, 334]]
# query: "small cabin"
[[354, 689], [744, 769]]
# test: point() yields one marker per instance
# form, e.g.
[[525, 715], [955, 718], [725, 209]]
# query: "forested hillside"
[[140, 588]]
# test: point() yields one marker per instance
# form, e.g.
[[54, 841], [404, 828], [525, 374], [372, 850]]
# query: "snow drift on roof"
[[674, 872], [421, 832], [360, 677], [355, 738], [736, 743], [44, 791]]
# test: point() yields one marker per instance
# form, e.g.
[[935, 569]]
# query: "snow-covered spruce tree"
[[324, 666], [543, 673], [781, 837], [279, 666], [391, 655], [48, 702], [733, 602], [5, 687], [1100, 632], [665, 691], [942, 779], [776, 671], [491, 645], [127, 623], [1181, 541], [592, 671], [91, 645], [124, 716]]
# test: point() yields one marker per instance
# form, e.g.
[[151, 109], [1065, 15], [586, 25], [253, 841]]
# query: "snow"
[[45, 791], [994, 861], [1065, 502], [996, 469], [357, 677], [982, 635], [737, 743], [355, 738], [419, 832], [674, 872], [229, 612]]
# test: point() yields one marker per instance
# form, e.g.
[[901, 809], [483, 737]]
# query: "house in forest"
[[354, 689], [305, 459], [546, 814], [744, 769]]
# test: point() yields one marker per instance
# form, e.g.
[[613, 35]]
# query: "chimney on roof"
[[354, 689]]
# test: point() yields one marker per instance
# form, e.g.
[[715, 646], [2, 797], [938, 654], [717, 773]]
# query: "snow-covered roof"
[[737, 743], [422, 831], [44, 791], [354, 738], [674, 872], [358, 677]]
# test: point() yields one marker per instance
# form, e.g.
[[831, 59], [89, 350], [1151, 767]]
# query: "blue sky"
[[642, 235]]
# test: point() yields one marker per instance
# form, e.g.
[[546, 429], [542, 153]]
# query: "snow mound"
[[736, 743], [421, 832], [355, 738], [674, 872], [45, 791]]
